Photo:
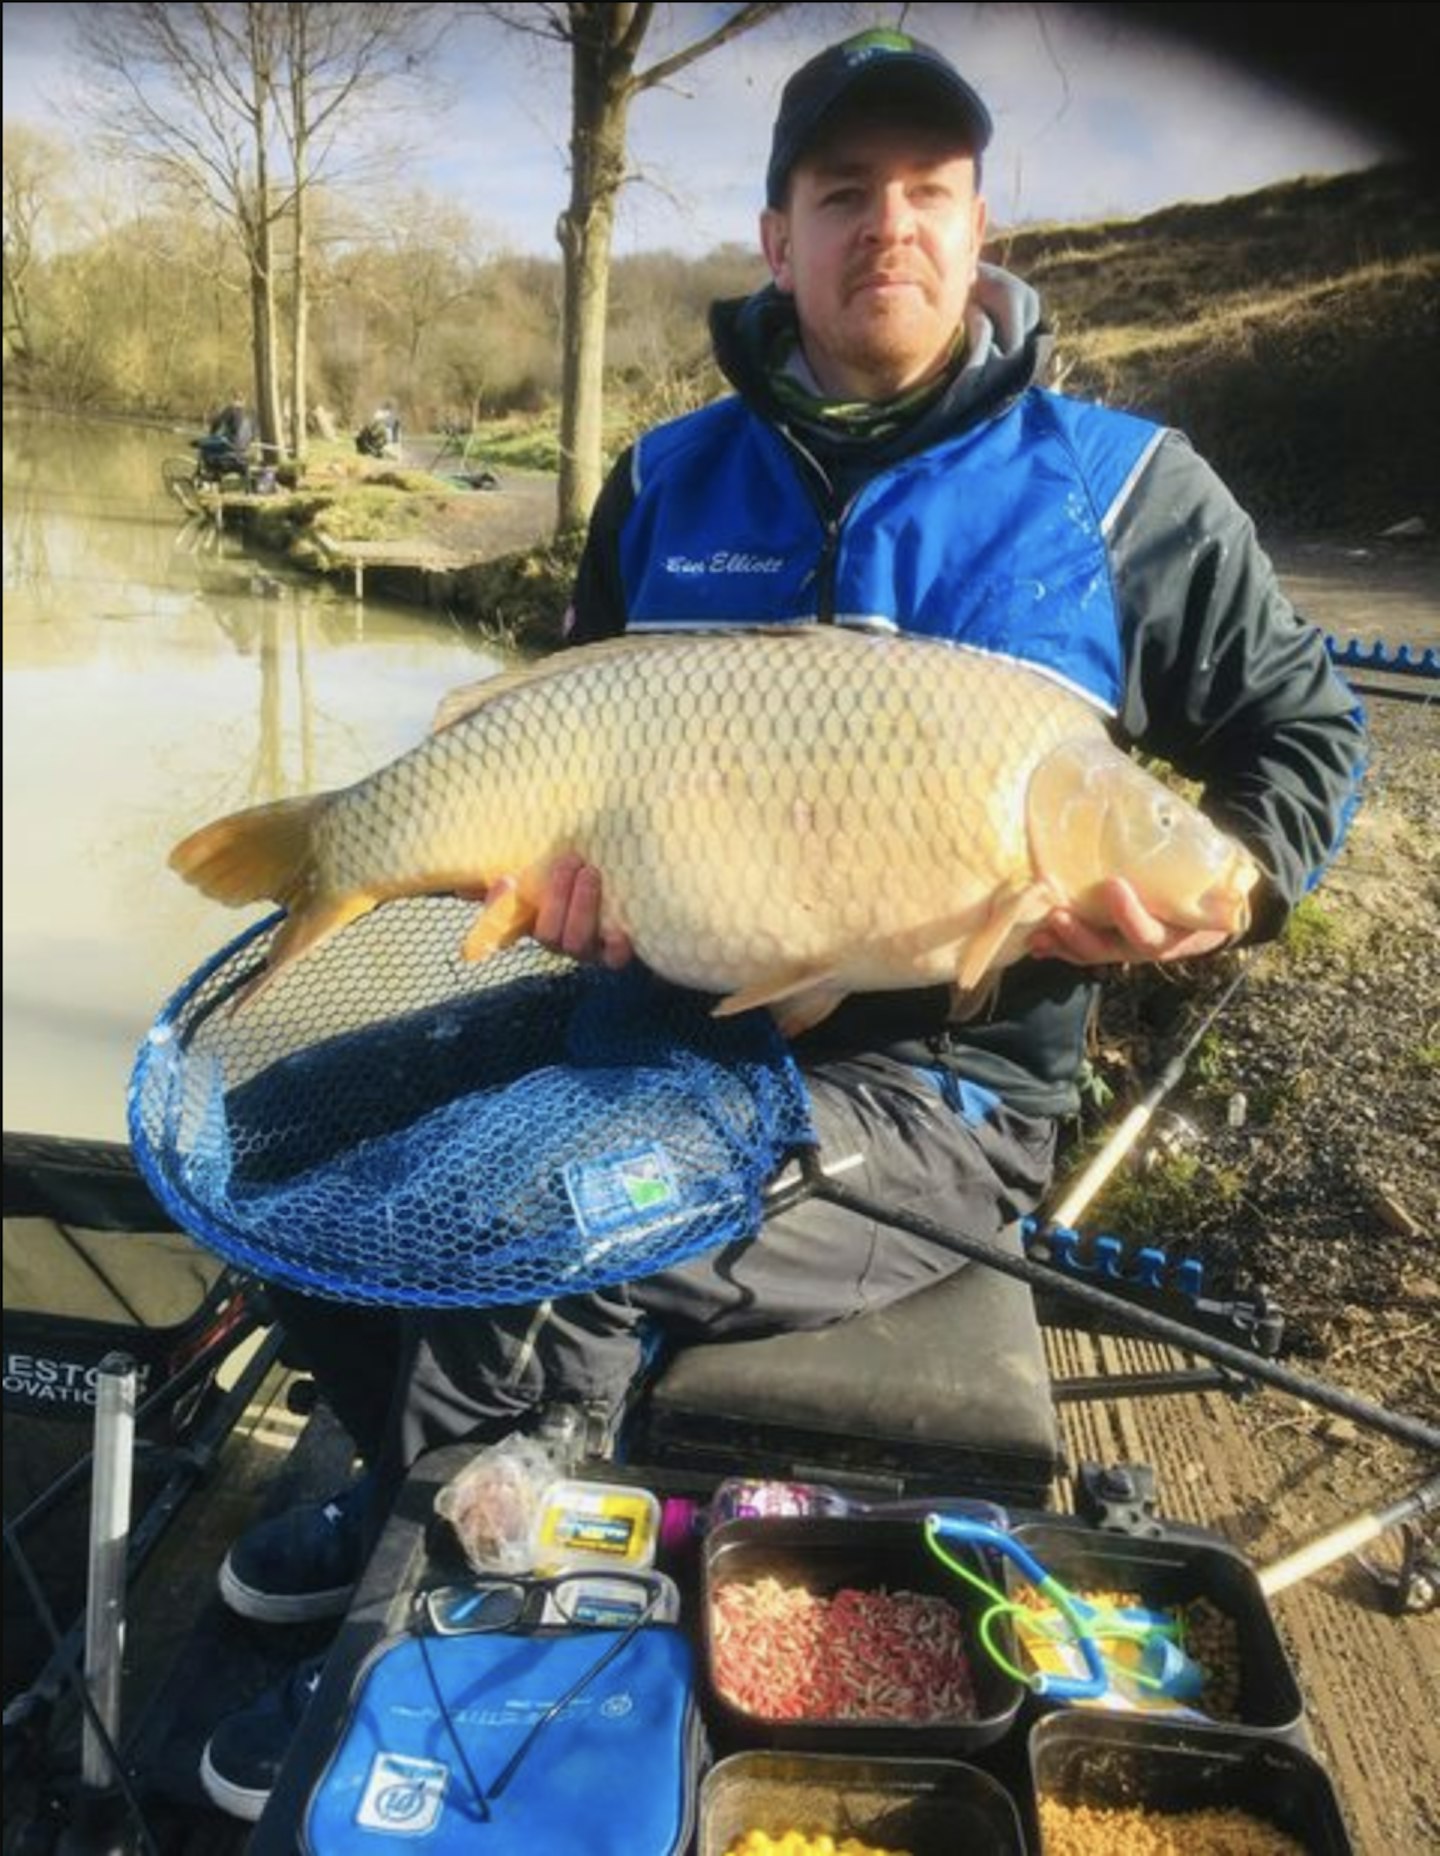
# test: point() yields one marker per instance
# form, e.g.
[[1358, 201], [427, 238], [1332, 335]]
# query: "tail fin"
[[267, 851], [251, 855]]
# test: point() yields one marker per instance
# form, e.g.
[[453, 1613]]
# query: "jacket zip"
[[821, 492]]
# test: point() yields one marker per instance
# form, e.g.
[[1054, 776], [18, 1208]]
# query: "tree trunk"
[[17, 315], [600, 97], [300, 324], [300, 336], [262, 266], [265, 343]]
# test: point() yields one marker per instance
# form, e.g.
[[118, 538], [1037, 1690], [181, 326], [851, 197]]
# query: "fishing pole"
[[1139, 1118], [1399, 1425], [1348, 1537]]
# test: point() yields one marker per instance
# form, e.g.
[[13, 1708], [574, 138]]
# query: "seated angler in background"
[[226, 446]]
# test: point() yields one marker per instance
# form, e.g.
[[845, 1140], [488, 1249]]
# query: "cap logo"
[[867, 45]]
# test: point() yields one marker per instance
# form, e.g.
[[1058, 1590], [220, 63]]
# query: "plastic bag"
[[492, 1503]]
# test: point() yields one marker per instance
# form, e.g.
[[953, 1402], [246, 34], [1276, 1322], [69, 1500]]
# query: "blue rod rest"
[[1410, 660], [1145, 1267]]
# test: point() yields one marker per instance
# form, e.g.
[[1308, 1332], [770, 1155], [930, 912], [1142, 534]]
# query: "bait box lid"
[[595, 1527], [826, 1554], [929, 1807], [1166, 1572], [1116, 1761]]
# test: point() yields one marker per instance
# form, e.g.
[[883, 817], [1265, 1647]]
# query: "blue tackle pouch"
[[469, 1754]]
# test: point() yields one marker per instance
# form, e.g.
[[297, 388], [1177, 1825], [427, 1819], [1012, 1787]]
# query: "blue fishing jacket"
[[995, 537], [1087, 542]]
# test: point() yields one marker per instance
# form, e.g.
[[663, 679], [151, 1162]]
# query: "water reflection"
[[154, 676]]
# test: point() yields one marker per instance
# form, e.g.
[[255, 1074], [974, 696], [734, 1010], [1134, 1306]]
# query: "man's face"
[[878, 244]]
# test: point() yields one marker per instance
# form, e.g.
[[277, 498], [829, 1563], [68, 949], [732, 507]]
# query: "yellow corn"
[[798, 1843]]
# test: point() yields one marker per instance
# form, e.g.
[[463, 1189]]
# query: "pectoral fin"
[[1015, 907], [966, 1007]]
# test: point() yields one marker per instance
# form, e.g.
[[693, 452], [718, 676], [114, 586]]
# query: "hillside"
[[1291, 332]]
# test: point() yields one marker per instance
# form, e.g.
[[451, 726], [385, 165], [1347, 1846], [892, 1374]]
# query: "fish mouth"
[[1226, 903], [1230, 912]]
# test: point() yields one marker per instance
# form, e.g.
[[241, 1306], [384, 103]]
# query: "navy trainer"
[[243, 1756], [302, 1565]]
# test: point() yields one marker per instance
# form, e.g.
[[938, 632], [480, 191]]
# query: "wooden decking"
[[425, 558]]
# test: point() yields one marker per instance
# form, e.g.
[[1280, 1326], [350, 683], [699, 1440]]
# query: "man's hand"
[[568, 919], [1134, 934], [567, 915]]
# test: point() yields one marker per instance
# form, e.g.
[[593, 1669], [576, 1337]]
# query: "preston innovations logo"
[[41, 1379], [622, 1190], [881, 42], [403, 1797]]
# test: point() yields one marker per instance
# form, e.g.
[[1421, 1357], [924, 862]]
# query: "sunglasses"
[[599, 1600], [618, 1602]]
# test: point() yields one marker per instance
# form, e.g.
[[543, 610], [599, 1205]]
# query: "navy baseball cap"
[[869, 59]]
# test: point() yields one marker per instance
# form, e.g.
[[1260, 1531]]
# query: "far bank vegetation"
[[1290, 332]]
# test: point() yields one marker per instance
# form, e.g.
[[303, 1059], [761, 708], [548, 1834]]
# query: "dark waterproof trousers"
[[406, 1382]]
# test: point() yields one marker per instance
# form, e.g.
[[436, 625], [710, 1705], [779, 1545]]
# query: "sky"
[[1093, 119]]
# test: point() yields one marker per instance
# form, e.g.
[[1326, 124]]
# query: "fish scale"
[[781, 817]]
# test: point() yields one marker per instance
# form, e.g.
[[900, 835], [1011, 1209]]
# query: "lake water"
[[156, 676]]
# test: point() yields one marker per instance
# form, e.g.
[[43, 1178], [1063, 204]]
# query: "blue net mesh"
[[387, 1123]]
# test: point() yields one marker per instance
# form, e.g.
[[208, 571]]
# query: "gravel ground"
[[1327, 1193]]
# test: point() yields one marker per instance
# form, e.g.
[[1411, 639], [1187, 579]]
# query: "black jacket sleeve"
[[1227, 682], [597, 607]]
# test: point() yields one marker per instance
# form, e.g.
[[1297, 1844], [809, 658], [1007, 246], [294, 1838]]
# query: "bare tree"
[[32, 163], [604, 39], [239, 103], [337, 56], [187, 90], [435, 264]]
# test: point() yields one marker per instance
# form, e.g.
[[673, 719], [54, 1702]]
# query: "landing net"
[[387, 1123]]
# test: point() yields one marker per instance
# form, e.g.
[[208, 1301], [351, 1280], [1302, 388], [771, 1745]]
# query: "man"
[[887, 459], [379, 437], [225, 447]]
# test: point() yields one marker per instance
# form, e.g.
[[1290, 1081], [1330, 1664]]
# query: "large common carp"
[[783, 818]]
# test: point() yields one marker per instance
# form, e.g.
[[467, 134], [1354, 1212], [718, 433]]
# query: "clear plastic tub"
[[1168, 1574], [601, 1598]]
